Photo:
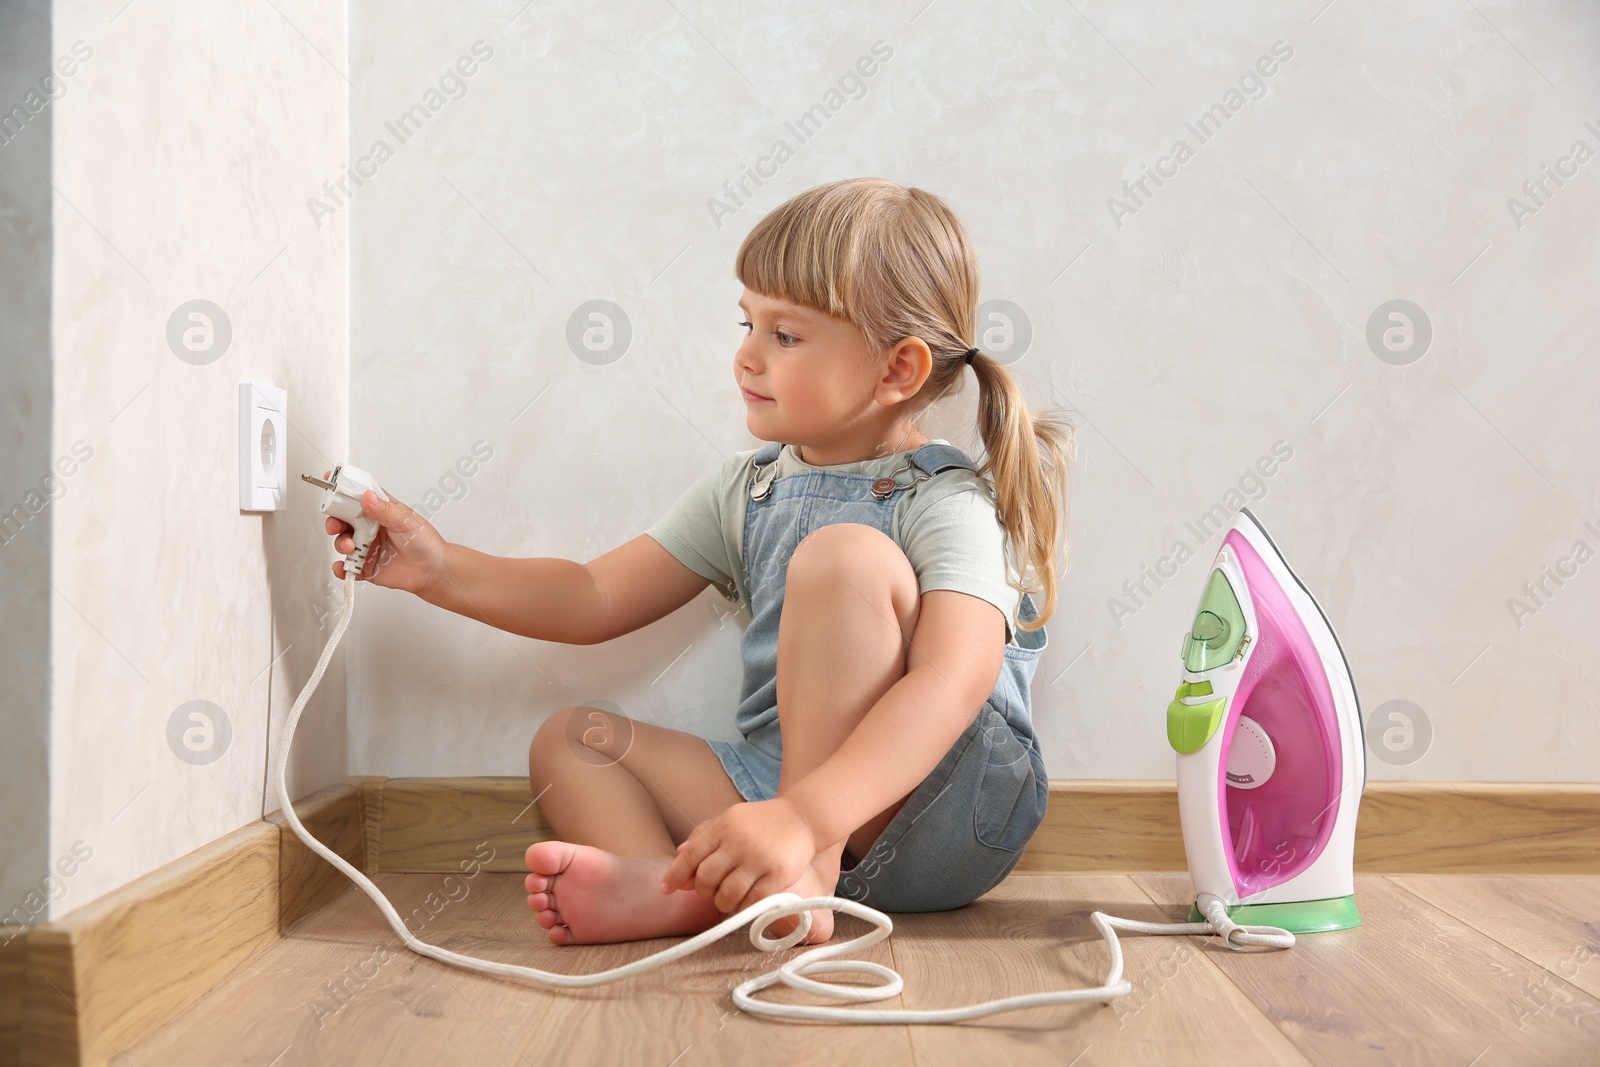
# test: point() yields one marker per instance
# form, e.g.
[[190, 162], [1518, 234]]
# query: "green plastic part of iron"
[[1190, 726], [1296, 916], [1218, 629]]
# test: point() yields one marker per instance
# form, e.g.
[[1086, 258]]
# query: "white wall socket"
[[263, 448]]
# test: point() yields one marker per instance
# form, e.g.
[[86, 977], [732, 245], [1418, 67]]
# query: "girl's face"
[[808, 379]]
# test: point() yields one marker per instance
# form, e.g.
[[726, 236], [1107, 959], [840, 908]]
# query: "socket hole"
[[269, 450]]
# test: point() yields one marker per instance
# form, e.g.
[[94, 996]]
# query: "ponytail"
[[1028, 458]]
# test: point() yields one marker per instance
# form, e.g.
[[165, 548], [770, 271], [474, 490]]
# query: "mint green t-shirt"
[[946, 525]]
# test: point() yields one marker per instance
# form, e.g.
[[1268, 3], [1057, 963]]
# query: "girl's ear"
[[909, 364]]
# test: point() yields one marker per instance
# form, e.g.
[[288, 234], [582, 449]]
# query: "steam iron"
[[1271, 749]]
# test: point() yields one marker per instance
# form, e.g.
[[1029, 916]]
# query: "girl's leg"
[[628, 787], [620, 795], [850, 605]]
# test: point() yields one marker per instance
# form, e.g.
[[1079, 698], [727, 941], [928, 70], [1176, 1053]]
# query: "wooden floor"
[[1449, 969]]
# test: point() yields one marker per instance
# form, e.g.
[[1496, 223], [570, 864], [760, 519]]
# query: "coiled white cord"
[[762, 914]]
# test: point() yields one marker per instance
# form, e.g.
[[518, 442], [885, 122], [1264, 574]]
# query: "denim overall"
[[964, 827]]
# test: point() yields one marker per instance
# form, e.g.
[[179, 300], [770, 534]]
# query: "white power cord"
[[760, 915]]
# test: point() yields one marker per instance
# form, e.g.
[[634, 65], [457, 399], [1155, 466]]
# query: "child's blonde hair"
[[897, 263]]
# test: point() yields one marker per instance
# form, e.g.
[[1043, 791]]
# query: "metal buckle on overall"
[[884, 486], [761, 488]]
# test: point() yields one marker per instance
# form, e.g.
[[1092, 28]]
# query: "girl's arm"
[[546, 598], [552, 599]]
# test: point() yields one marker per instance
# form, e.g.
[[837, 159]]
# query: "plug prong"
[[316, 481]]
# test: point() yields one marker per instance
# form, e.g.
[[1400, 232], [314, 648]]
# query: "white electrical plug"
[[341, 498]]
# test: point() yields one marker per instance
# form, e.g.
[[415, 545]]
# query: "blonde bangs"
[[807, 251]]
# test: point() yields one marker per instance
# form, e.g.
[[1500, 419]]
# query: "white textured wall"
[[184, 151], [1192, 329]]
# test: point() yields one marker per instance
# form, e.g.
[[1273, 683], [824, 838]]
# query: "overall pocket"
[[1007, 810], [1004, 815]]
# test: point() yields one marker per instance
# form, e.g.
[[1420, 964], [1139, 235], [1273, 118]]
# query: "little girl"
[[887, 750]]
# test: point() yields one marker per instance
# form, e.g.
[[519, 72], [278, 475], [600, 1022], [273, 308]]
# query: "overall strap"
[[931, 458], [934, 458]]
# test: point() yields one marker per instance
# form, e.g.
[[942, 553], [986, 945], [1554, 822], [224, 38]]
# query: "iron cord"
[[796, 972]]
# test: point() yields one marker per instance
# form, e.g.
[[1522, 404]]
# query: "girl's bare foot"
[[583, 895]]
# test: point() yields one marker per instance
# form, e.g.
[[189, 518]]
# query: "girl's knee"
[[847, 545], [854, 553], [588, 735], [551, 740]]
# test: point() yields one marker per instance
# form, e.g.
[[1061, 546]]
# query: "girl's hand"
[[408, 553], [750, 851]]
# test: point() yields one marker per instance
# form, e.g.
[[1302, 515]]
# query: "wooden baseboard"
[[430, 824], [105, 976], [13, 944], [79, 989]]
